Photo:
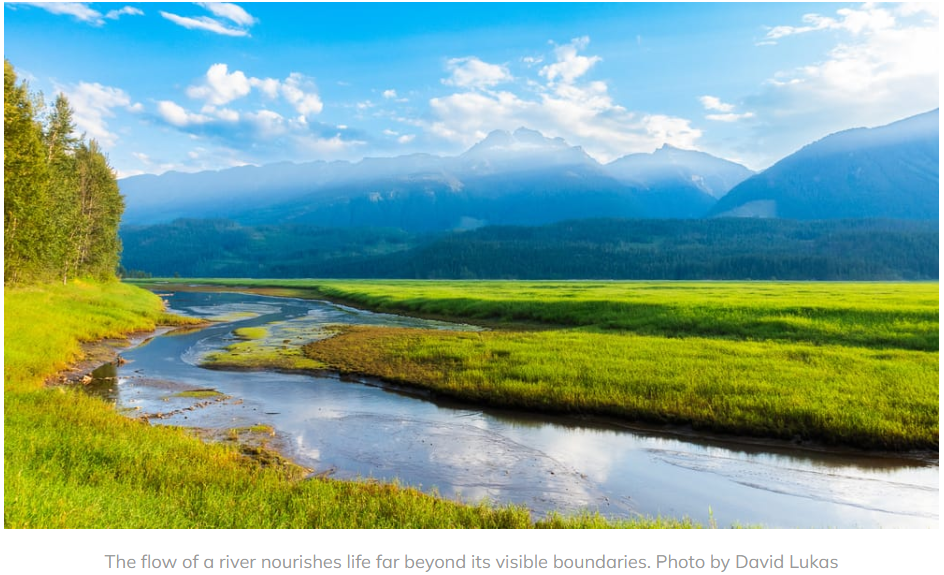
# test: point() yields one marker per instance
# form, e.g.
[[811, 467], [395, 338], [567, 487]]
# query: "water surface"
[[350, 429]]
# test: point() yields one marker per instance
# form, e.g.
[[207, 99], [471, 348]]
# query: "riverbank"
[[72, 461], [849, 365]]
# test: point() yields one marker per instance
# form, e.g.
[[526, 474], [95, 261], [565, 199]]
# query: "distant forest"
[[723, 249], [61, 203]]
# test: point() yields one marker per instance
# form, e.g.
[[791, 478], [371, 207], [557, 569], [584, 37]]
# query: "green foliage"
[[61, 202], [26, 200], [729, 249]]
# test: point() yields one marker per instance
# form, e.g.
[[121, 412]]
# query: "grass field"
[[71, 461], [880, 315], [847, 364]]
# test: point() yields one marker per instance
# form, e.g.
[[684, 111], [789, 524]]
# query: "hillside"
[[886, 172]]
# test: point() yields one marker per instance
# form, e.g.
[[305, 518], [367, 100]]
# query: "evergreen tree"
[[100, 206], [62, 205], [25, 184], [60, 145]]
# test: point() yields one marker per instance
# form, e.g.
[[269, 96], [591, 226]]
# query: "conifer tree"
[[25, 184]]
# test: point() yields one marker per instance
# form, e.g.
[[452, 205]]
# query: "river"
[[360, 429]]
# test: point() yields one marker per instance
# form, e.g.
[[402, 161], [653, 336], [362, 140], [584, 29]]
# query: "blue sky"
[[195, 86]]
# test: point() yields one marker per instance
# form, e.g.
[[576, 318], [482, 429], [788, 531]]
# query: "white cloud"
[[229, 11], [870, 18], [570, 65], [127, 10], [268, 86], [204, 23], [335, 147], [714, 103], [470, 72], [78, 10], [220, 86], [222, 11], [728, 114], [884, 66], [176, 115], [406, 138], [92, 103], [268, 123], [729, 117], [390, 94], [563, 105], [301, 93]]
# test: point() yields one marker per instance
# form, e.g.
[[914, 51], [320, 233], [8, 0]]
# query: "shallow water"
[[352, 429]]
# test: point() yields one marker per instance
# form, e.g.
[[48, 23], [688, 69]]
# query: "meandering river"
[[350, 429]]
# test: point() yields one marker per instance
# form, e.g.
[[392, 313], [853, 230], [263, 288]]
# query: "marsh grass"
[[832, 394], [71, 461], [864, 314], [840, 363]]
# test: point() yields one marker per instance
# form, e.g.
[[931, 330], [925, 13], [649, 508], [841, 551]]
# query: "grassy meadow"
[[852, 364], [72, 461]]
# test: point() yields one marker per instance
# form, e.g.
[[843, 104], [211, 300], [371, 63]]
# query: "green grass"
[[71, 461], [250, 332], [841, 363], [878, 315], [834, 394]]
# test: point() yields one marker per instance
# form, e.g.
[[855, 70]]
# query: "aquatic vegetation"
[[198, 393]]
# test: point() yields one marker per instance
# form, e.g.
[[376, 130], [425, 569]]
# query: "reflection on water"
[[354, 430]]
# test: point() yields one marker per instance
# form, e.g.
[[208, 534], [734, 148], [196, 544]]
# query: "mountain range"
[[519, 177], [525, 178], [890, 171]]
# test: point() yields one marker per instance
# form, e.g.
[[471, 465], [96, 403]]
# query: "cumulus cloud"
[[470, 72], [92, 103], [570, 65], [564, 105], [227, 19], [268, 86], [714, 103], [175, 115], [301, 93], [390, 94], [884, 66], [220, 86]]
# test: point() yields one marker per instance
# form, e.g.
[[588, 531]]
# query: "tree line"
[[61, 201], [729, 249]]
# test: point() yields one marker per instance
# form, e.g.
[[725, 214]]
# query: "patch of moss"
[[250, 332], [198, 393]]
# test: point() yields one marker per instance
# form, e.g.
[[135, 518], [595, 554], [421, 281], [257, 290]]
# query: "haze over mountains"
[[518, 177], [887, 172], [671, 214], [524, 178]]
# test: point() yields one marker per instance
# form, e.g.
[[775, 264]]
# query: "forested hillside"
[[61, 203], [580, 249]]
